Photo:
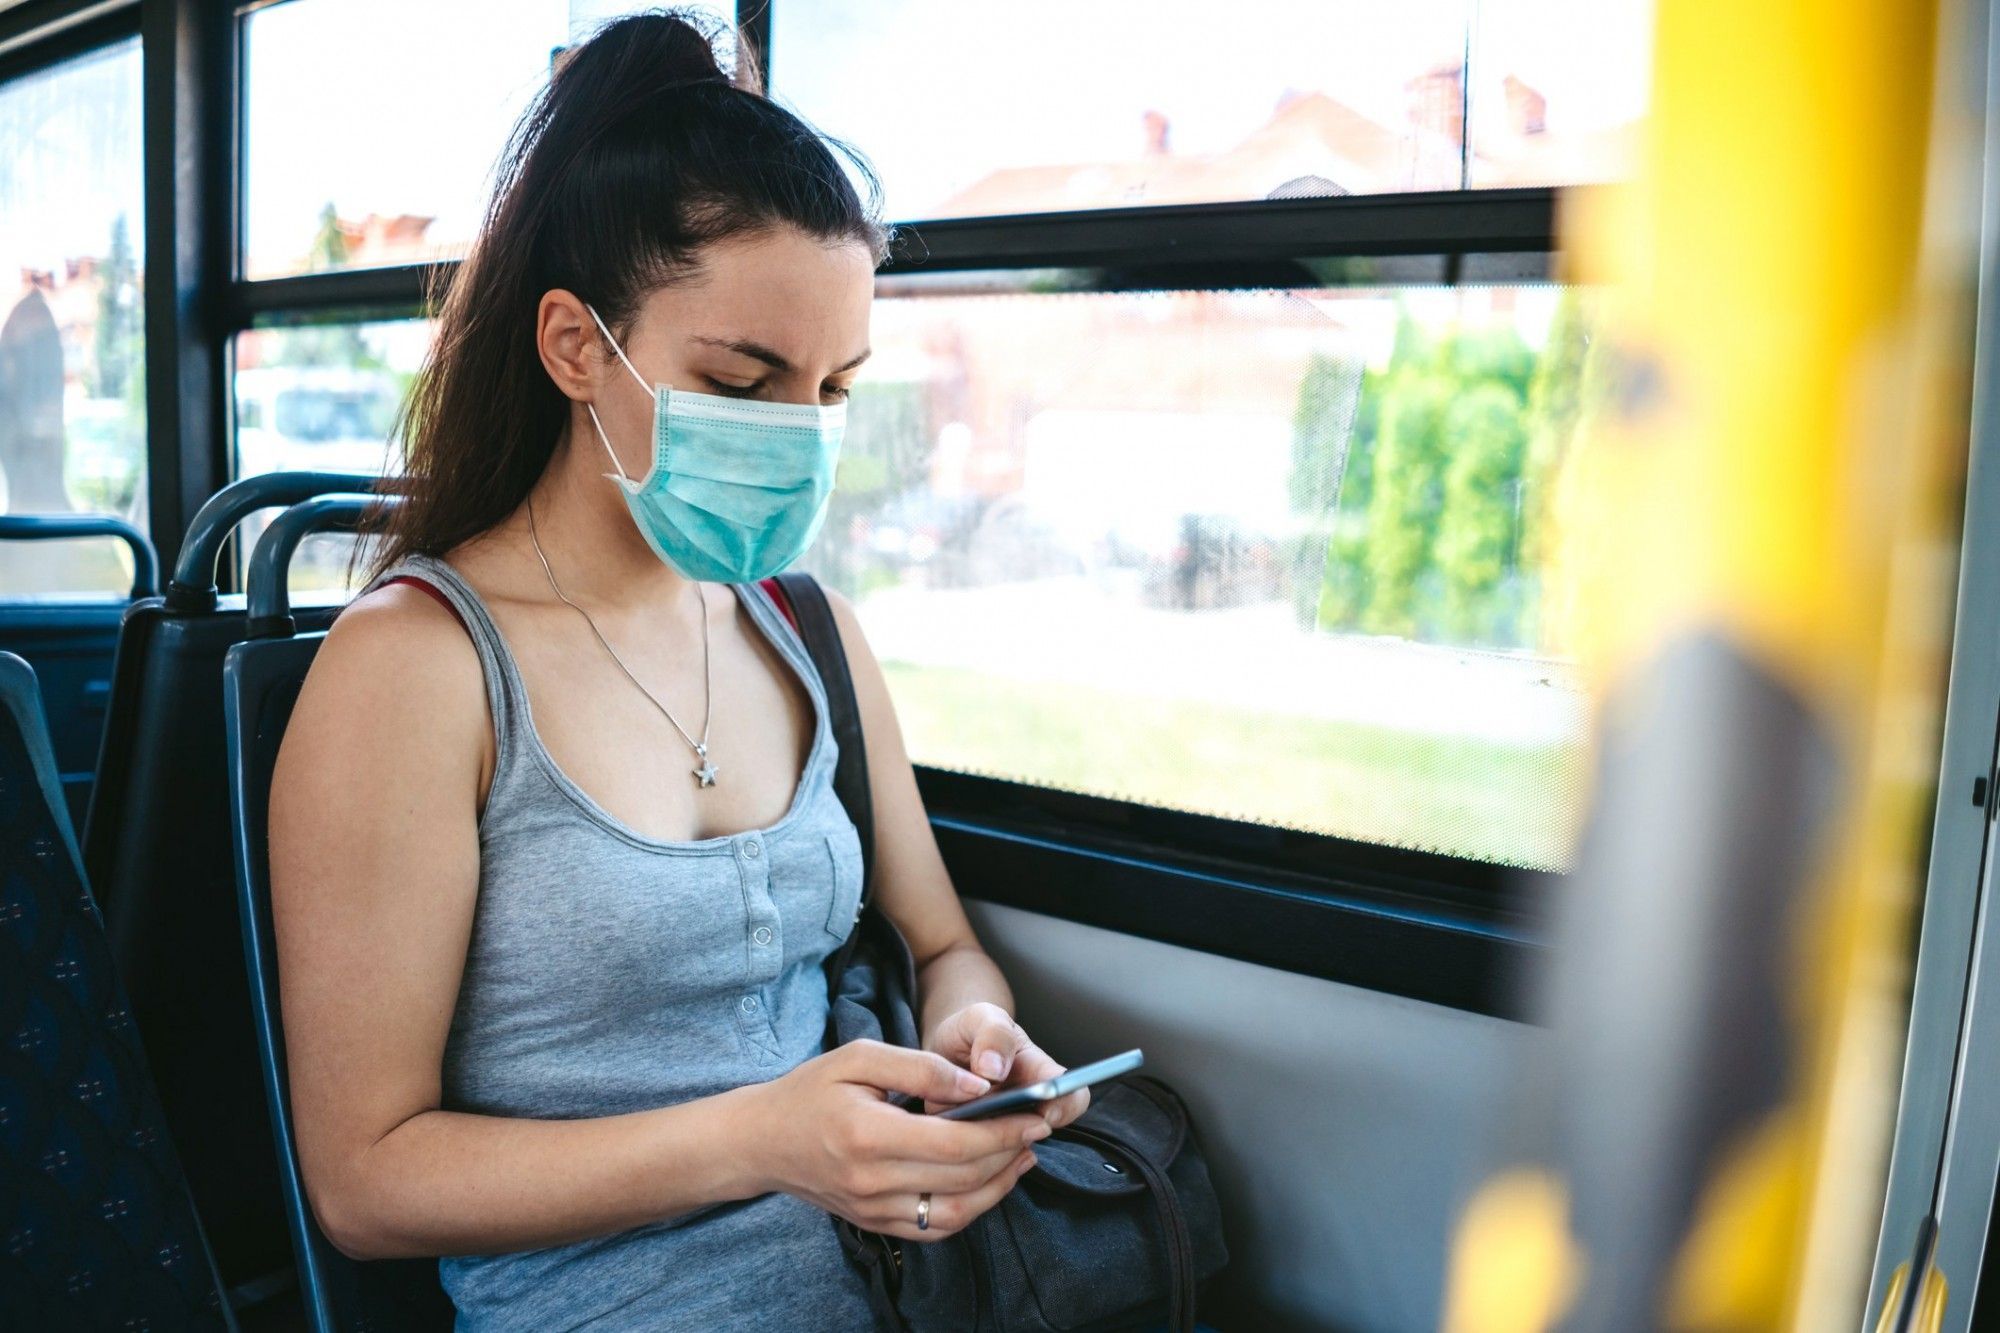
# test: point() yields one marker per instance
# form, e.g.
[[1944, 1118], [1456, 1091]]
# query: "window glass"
[[984, 108], [322, 398], [72, 330], [1266, 555], [363, 146], [1559, 90], [1036, 105]]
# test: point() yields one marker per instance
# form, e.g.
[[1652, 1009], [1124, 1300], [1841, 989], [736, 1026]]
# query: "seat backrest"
[[101, 1230], [262, 680], [156, 846]]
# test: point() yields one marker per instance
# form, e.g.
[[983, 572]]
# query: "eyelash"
[[739, 391]]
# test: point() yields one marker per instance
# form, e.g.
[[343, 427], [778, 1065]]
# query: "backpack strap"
[[804, 603]]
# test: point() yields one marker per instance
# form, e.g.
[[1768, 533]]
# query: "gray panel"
[[1952, 898], [1344, 1126]]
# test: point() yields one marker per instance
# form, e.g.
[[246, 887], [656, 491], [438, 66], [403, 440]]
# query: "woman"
[[555, 853]]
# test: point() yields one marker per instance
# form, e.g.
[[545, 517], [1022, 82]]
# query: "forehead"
[[787, 291]]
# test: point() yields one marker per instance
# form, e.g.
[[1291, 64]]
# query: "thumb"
[[994, 1046], [924, 1074]]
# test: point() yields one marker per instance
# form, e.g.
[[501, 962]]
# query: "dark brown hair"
[[640, 152]]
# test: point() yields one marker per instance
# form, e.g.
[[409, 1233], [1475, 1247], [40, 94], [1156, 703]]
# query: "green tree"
[[1425, 535], [1555, 408], [1478, 540], [119, 311], [1322, 431], [1406, 498], [1322, 483], [1567, 382], [333, 344]]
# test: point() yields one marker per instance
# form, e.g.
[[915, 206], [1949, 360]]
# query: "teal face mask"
[[737, 490]]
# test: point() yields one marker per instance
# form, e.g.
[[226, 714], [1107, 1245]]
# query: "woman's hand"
[[832, 1139], [985, 1039]]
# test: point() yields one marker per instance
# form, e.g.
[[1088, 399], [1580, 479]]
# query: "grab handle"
[[193, 586], [55, 527], [268, 598]]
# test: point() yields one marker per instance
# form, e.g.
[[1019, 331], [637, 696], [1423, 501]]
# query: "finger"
[[1063, 1110], [949, 1213], [893, 1181], [923, 1074], [995, 1043], [954, 1037], [899, 1135]]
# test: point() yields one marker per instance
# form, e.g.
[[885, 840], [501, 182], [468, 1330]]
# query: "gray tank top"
[[610, 972]]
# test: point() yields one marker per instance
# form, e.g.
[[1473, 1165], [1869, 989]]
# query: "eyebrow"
[[758, 352]]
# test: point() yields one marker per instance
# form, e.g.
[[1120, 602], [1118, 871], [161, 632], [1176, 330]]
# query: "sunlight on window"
[[331, 84], [72, 330], [1267, 555], [1039, 105]]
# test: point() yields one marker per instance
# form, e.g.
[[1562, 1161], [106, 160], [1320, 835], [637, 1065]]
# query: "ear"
[[569, 344]]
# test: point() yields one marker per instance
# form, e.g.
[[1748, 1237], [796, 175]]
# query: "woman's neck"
[[588, 537]]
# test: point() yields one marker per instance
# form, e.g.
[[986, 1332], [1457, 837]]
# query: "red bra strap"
[[777, 591], [430, 588]]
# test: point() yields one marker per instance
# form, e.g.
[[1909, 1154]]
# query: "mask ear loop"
[[592, 408]]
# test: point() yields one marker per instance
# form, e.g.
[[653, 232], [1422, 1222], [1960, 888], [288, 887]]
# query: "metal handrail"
[[268, 598], [57, 527], [193, 587]]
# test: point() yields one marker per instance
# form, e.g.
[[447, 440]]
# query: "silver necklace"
[[705, 774]]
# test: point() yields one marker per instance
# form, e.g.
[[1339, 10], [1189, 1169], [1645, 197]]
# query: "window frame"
[[1445, 929]]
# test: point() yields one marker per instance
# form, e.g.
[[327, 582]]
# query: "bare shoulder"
[[395, 673]]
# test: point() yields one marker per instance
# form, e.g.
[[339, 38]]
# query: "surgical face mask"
[[737, 490]]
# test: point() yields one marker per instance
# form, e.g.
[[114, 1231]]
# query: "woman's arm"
[[967, 1007], [375, 871]]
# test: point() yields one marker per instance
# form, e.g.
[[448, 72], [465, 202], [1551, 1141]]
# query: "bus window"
[[1273, 556], [72, 334], [1297, 98]]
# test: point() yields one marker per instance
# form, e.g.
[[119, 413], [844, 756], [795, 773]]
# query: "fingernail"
[[989, 1064], [1050, 1115], [1038, 1132], [971, 1082]]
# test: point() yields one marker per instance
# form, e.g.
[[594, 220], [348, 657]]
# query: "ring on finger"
[[924, 1211]]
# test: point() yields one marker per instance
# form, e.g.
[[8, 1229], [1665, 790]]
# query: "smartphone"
[[1026, 1096]]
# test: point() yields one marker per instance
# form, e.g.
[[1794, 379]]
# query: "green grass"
[[1474, 798]]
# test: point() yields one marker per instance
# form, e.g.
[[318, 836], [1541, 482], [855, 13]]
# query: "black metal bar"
[[61, 527], [1273, 243], [1444, 222], [1292, 860], [1436, 957], [36, 36], [402, 290], [190, 100], [37, 23]]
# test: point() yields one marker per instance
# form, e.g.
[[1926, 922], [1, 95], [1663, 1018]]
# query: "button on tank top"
[[610, 972]]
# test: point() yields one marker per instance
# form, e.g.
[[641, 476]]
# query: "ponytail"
[[641, 151]]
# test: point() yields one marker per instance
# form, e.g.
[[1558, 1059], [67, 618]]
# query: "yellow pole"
[[1766, 530]]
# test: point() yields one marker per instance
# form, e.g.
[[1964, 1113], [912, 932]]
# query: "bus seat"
[[156, 846], [262, 677], [101, 1229], [69, 640]]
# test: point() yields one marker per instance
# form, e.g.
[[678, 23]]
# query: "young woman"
[[555, 852]]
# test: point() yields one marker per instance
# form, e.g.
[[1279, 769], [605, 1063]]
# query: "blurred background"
[[1480, 506]]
